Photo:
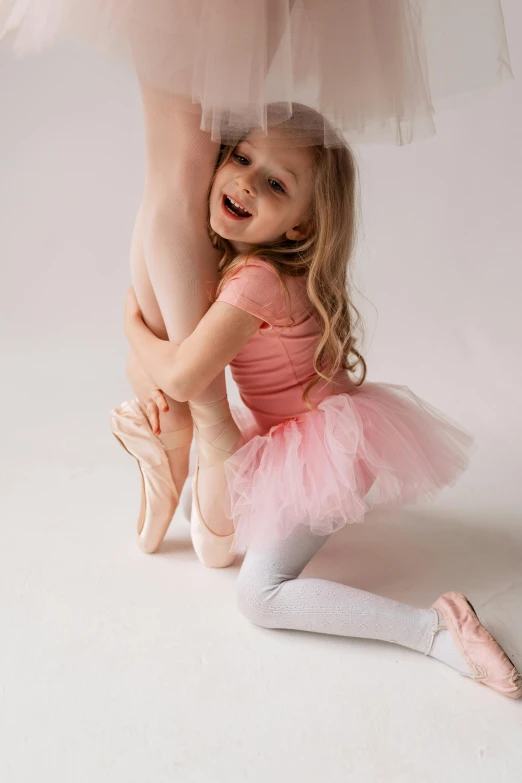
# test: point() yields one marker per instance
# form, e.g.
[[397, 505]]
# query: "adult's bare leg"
[[182, 265], [178, 416]]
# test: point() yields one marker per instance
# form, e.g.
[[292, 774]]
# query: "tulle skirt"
[[374, 68], [317, 469]]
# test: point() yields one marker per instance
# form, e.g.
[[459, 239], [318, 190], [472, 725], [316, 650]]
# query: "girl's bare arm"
[[185, 371]]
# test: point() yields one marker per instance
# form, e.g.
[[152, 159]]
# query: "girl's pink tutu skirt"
[[374, 68], [317, 469]]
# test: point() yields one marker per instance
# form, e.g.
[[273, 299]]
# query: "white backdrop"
[[92, 627]]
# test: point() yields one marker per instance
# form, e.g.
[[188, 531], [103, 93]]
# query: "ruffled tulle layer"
[[374, 68], [318, 468]]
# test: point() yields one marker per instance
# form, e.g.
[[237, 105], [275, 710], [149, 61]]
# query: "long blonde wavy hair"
[[324, 256]]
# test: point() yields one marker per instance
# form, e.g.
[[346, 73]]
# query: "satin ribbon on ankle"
[[176, 438], [205, 416]]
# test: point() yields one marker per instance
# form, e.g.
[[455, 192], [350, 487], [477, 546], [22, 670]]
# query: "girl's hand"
[[152, 400], [152, 407]]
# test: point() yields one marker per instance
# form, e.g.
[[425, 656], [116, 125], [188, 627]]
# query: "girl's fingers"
[[154, 405], [153, 415], [160, 400]]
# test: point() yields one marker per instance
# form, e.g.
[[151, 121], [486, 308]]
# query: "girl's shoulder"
[[256, 270], [256, 286]]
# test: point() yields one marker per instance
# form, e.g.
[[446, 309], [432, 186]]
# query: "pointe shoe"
[[212, 550], [185, 496], [159, 494], [483, 654]]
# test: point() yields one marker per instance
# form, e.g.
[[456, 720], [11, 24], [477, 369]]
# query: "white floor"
[[116, 666]]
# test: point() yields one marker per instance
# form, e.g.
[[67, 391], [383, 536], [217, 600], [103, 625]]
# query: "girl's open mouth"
[[234, 210]]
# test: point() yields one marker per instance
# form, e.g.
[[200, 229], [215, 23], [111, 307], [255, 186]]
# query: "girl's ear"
[[302, 231]]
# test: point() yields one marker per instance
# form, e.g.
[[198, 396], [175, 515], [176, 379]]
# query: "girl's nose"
[[246, 183]]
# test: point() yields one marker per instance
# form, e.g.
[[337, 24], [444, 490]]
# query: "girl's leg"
[[271, 595], [178, 416], [182, 264]]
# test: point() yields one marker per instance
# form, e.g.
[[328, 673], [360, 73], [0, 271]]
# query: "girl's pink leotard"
[[275, 366], [314, 467]]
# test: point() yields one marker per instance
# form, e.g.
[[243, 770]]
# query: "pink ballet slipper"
[[160, 495], [485, 657]]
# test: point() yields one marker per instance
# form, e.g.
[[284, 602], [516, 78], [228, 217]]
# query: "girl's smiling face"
[[263, 193]]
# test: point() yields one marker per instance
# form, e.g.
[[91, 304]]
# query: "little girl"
[[316, 438]]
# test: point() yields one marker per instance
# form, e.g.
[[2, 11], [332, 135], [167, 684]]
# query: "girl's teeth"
[[238, 206]]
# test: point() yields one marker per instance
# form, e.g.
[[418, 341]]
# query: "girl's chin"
[[222, 229], [227, 232], [217, 226]]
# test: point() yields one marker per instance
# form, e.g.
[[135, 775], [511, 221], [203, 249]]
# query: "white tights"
[[271, 595]]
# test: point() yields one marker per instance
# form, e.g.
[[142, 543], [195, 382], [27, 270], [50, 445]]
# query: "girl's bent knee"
[[253, 600]]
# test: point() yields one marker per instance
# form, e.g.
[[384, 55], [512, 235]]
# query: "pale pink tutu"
[[316, 469], [374, 68]]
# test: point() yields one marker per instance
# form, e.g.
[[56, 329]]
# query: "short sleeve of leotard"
[[256, 287]]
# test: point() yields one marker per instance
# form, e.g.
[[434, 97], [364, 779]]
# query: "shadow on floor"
[[424, 554]]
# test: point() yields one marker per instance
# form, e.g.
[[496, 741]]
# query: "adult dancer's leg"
[[178, 416], [182, 267]]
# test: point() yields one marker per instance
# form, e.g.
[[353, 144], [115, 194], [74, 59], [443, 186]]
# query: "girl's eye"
[[276, 186]]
